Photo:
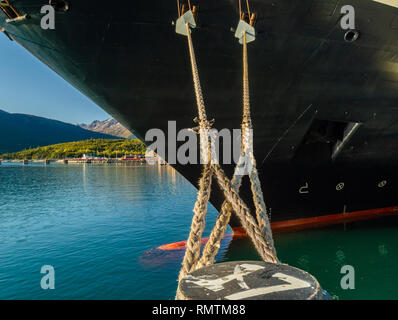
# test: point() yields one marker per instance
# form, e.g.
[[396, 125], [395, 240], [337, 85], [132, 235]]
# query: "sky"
[[28, 86]]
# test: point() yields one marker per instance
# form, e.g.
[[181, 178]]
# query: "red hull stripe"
[[304, 223], [322, 221]]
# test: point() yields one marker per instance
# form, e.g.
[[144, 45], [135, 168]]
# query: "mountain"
[[110, 126], [22, 131]]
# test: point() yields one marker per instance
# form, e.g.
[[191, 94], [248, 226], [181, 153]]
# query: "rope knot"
[[202, 124]]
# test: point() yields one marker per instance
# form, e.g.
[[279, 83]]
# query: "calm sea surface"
[[99, 227]]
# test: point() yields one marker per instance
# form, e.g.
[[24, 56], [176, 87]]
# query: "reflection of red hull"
[[181, 244], [301, 224], [177, 245]]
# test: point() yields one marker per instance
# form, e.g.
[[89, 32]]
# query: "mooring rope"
[[261, 209], [213, 244], [194, 241], [259, 231], [245, 217]]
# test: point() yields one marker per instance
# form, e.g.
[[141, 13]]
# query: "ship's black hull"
[[308, 85]]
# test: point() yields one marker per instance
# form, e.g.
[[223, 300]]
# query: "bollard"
[[249, 280]]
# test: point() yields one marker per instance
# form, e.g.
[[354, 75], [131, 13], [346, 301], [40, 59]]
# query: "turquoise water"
[[99, 227]]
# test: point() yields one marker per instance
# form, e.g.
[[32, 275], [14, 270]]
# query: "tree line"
[[109, 148]]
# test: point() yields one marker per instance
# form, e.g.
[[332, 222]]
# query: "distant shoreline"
[[85, 149], [82, 161]]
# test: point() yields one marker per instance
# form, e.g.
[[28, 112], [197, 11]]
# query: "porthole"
[[60, 5], [351, 36]]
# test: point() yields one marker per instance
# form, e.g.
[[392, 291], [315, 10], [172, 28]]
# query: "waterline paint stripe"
[[304, 223]]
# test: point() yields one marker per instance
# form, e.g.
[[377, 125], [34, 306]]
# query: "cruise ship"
[[324, 98]]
